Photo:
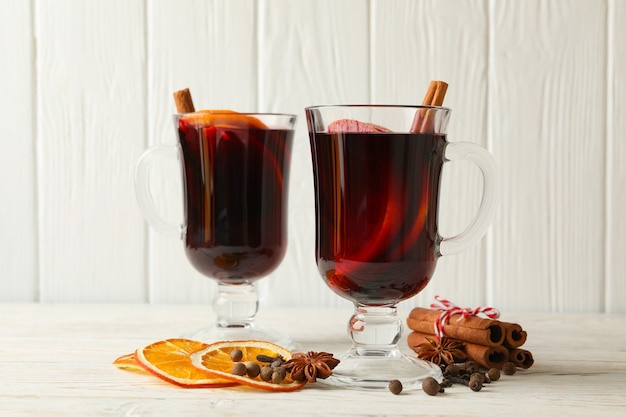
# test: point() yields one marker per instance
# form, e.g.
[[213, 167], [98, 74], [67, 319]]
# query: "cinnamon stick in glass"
[[471, 329], [183, 101], [424, 120]]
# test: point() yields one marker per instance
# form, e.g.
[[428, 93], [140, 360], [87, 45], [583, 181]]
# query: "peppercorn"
[[430, 386], [280, 371], [239, 368], [277, 362], [395, 386], [278, 375], [509, 368], [471, 367], [252, 368], [493, 374], [236, 355], [475, 384], [478, 376], [266, 373]]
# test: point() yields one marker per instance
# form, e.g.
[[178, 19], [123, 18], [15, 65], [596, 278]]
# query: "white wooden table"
[[55, 360]]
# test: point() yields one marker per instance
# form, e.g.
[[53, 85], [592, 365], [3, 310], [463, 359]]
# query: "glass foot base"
[[217, 334], [374, 372]]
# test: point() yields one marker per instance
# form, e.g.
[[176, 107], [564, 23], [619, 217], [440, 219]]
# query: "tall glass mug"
[[235, 171], [377, 173]]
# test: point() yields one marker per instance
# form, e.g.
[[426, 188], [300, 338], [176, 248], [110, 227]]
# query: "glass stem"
[[375, 331], [236, 305]]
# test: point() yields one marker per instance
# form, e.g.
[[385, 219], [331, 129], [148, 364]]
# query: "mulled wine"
[[377, 171], [376, 197], [235, 197], [235, 174]]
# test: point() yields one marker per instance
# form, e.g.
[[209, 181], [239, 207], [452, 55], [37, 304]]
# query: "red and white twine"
[[448, 309]]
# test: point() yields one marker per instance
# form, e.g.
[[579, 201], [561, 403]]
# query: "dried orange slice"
[[128, 363], [170, 360], [216, 360], [222, 119]]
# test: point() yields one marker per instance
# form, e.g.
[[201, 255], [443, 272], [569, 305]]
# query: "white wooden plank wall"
[[551, 94], [91, 112], [18, 210], [85, 87], [615, 205]]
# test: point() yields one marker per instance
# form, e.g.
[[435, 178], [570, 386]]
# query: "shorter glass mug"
[[377, 173], [235, 171]]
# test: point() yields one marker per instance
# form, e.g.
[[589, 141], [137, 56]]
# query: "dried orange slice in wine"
[[223, 119], [170, 360], [216, 360]]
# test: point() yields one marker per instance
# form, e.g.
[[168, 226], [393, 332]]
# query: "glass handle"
[[144, 195], [491, 189]]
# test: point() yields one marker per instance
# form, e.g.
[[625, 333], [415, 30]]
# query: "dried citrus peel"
[[216, 360], [170, 360], [192, 364], [128, 363]]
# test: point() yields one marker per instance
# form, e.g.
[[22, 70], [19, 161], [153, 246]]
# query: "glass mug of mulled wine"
[[377, 173], [235, 175]]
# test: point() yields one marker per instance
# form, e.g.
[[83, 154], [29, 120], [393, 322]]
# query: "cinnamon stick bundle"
[[471, 329], [521, 358], [514, 335], [486, 356], [489, 342]]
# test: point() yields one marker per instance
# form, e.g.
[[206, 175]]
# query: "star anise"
[[444, 353], [310, 366]]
